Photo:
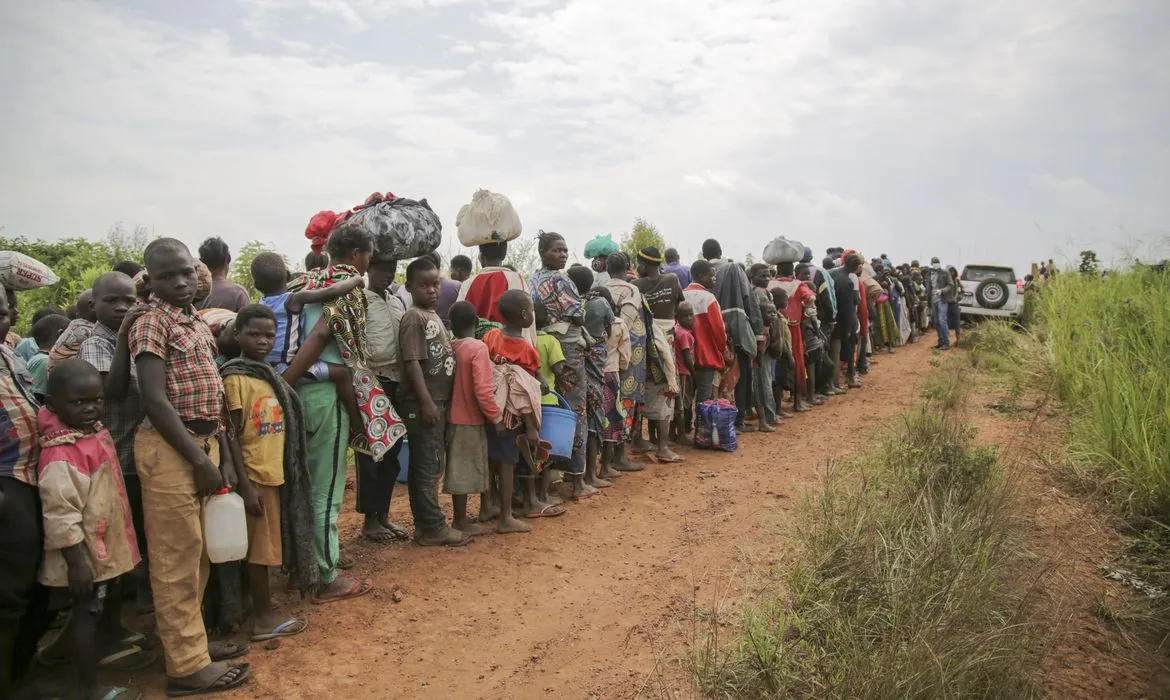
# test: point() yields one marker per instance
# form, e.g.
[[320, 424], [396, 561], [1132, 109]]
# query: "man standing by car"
[[942, 293]]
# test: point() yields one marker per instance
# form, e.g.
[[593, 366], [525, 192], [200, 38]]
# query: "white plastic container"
[[225, 527]]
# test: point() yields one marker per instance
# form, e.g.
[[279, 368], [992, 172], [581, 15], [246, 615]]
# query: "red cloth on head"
[[319, 228]]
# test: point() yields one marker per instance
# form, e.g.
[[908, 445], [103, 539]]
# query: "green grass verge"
[[908, 578]]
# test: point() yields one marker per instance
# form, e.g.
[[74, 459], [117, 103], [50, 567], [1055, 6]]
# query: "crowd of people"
[[166, 384]]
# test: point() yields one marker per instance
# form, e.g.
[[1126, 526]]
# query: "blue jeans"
[[940, 313]]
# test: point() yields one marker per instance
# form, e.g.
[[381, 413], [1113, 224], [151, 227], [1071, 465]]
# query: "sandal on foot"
[[226, 651], [116, 693], [397, 530], [381, 537], [344, 563], [234, 677], [551, 511], [449, 538], [289, 628], [357, 590]]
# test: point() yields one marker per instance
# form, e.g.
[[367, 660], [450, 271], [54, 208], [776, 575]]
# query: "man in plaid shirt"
[[178, 451]]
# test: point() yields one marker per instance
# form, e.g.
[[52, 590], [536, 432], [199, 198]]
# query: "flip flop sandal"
[[398, 531], [147, 642], [289, 628], [357, 590], [553, 511], [219, 685], [226, 651], [344, 563], [132, 658]]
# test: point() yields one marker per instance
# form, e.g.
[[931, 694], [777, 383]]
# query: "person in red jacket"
[[710, 333]]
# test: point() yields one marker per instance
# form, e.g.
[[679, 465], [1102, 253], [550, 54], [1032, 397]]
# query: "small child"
[[428, 370], [45, 333], [539, 501], [473, 405], [508, 346], [89, 532], [270, 276], [76, 332], [684, 351], [259, 420], [599, 316], [782, 379], [763, 367], [615, 435]]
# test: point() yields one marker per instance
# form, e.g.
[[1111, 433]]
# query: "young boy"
[[89, 535], [554, 373], [710, 333], [107, 349], [256, 399], [45, 332], [684, 351], [179, 450], [473, 405], [508, 346], [599, 317], [270, 275], [428, 370]]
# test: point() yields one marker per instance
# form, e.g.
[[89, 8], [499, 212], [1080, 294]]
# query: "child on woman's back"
[[270, 275], [508, 346], [89, 532], [473, 405]]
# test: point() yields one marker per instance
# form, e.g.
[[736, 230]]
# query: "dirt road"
[[595, 604]]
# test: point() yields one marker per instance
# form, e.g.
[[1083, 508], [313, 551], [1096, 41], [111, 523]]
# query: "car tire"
[[991, 294]]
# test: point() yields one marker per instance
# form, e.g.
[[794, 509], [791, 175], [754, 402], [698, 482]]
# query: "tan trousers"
[[178, 560]]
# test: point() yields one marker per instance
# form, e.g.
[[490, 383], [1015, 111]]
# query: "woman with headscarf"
[[551, 287]]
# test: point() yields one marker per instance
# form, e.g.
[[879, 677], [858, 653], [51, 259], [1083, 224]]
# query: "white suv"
[[990, 290]]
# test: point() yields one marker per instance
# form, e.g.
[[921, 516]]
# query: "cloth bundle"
[[601, 246], [716, 430], [781, 250], [403, 227], [19, 272], [489, 218]]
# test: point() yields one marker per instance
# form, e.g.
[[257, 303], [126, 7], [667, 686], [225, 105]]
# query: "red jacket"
[[710, 333]]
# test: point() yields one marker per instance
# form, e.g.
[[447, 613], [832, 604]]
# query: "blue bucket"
[[403, 461], [559, 426]]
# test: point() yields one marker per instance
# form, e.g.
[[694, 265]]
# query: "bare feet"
[[511, 525], [665, 456], [488, 512], [398, 531], [583, 491], [447, 537], [470, 528], [765, 428], [608, 473], [599, 483], [376, 532], [641, 445]]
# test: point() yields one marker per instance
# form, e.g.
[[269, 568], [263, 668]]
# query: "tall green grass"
[[1109, 341], [908, 580]]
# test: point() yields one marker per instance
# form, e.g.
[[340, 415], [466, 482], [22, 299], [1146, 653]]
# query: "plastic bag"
[[489, 218], [782, 250], [716, 429], [601, 246], [402, 228], [19, 272]]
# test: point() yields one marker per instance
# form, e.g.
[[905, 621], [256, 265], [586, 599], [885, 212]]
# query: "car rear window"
[[978, 273]]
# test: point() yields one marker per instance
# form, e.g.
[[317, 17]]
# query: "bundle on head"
[[319, 228]]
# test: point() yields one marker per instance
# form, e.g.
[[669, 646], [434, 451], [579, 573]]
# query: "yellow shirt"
[[262, 434], [549, 349]]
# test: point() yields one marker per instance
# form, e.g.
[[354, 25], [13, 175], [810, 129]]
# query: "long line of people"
[[170, 385]]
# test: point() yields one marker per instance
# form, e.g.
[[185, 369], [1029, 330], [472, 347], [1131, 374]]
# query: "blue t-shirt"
[[310, 316], [288, 331]]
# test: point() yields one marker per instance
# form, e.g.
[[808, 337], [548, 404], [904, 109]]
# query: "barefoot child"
[[684, 348], [89, 533], [539, 502], [262, 411], [599, 318], [428, 370], [473, 406], [520, 365]]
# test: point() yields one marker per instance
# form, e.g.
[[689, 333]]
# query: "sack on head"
[[601, 246], [402, 228], [782, 250], [489, 218], [19, 272]]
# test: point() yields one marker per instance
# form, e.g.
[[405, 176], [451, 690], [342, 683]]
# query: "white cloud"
[[913, 127]]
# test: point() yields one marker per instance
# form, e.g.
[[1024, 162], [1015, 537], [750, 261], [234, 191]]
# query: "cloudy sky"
[[975, 130]]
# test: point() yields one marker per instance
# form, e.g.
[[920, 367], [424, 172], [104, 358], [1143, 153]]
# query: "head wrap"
[[651, 255], [203, 281], [319, 228]]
